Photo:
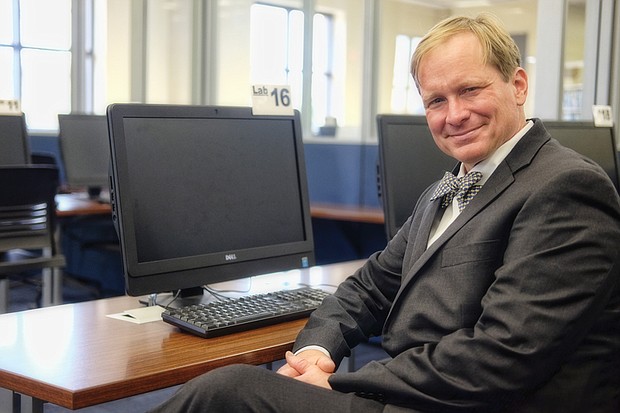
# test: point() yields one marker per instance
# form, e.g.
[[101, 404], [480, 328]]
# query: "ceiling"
[[451, 4]]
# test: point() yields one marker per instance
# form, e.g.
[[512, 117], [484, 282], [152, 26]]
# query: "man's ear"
[[520, 83]]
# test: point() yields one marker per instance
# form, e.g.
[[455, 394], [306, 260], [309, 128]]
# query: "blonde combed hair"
[[498, 48]]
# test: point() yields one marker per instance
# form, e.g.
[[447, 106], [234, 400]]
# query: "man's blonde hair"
[[498, 48]]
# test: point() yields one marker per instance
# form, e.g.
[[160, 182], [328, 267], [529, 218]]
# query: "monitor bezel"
[[20, 144], [552, 126], [390, 192], [189, 272], [71, 180]]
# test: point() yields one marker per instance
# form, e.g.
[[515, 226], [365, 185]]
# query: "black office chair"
[[27, 230]]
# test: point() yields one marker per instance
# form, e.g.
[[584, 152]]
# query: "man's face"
[[471, 111]]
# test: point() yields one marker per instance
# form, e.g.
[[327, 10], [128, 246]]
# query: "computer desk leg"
[[57, 286], [47, 290], [52, 287], [4, 295], [11, 401], [31, 404]]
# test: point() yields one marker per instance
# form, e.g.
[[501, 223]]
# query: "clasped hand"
[[309, 366]]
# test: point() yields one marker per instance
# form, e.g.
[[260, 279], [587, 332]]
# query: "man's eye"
[[433, 102]]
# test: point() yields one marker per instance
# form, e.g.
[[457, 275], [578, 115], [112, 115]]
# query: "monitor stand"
[[187, 296], [191, 292], [190, 296], [94, 192]]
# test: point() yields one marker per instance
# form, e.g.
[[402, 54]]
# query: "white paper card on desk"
[[272, 100], [10, 107], [140, 315], [602, 116]]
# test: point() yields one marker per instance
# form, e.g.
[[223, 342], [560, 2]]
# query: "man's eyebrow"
[[429, 97]]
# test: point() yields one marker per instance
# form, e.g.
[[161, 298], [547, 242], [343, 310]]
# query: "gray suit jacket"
[[515, 308]]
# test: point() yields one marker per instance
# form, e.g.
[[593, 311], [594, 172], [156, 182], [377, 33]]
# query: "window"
[[405, 96], [35, 58], [276, 48], [7, 90], [322, 76], [168, 46]]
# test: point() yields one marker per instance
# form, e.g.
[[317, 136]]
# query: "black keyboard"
[[239, 314]]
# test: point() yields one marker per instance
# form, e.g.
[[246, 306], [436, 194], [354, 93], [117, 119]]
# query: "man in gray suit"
[[501, 291]]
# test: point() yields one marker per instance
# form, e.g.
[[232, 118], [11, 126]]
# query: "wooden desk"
[[351, 213], [69, 205], [74, 356], [79, 204]]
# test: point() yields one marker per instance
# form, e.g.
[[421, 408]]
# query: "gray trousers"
[[243, 388]]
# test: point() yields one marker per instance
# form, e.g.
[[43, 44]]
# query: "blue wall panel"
[[342, 174]]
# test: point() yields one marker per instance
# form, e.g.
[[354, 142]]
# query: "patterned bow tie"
[[463, 188]]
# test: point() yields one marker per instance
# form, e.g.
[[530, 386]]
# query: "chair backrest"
[[13, 140], [27, 206]]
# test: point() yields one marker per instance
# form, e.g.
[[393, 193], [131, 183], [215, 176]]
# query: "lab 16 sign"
[[271, 100]]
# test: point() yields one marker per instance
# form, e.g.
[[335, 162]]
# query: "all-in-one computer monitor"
[[85, 150], [14, 147], [204, 194], [409, 161]]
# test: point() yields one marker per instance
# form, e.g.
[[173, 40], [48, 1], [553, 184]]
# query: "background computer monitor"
[[409, 161], [14, 147], [206, 194], [597, 143], [85, 150]]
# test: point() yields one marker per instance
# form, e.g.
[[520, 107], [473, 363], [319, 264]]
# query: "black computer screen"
[[15, 149], [597, 143], [85, 150], [409, 161], [207, 194]]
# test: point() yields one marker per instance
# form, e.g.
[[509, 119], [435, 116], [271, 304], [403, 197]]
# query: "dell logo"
[[230, 257]]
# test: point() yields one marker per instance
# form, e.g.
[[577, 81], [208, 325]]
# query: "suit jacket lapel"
[[424, 230], [502, 178]]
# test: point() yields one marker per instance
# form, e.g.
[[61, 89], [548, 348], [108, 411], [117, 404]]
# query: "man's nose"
[[457, 112]]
